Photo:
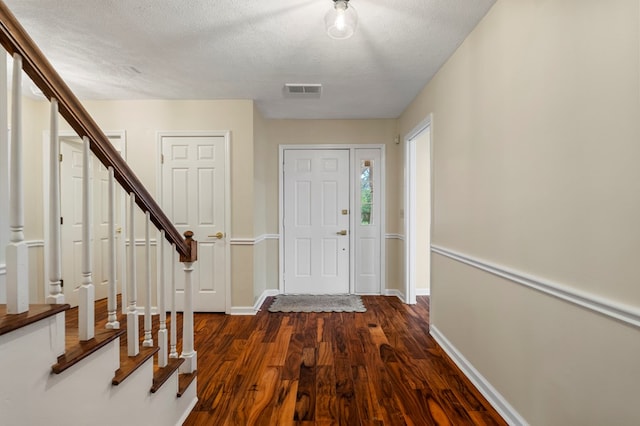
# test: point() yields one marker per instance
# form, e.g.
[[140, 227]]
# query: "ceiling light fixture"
[[341, 20]]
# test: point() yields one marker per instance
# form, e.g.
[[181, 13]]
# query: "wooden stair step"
[[184, 380], [129, 364], [76, 351], [12, 322], [161, 375]]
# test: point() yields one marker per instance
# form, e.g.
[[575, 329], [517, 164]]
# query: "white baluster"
[[17, 256], [162, 310], [112, 301], [55, 246], [148, 337], [173, 353], [188, 352], [133, 342], [86, 293]]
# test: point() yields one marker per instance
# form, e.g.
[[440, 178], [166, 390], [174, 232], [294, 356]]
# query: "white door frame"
[[46, 171], [352, 194], [227, 191], [410, 213]]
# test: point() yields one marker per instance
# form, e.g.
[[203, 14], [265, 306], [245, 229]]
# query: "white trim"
[[141, 242], [242, 310], [423, 292], [625, 313], [410, 168], [382, 193], [253, 241], [263, 297], [226, 134], [394, 237], [396, 293], [497, 401], [34, 243], [192, 404]]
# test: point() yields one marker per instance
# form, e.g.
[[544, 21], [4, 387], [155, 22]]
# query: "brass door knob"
[[343, 232], [218, 235]]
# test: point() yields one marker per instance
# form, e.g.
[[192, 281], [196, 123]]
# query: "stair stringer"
[[83, 394]]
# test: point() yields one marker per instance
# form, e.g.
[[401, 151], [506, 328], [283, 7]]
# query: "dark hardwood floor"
[[375, 368]]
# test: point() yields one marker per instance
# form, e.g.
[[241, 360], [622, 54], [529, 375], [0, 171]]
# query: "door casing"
[[352, 194]]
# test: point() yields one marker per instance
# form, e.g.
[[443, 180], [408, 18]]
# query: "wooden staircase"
[[77, 366]]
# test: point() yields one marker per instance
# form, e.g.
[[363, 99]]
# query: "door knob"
[[218, 235], [343, 232]]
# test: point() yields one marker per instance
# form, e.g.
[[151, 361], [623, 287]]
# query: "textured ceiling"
[[231, 49]]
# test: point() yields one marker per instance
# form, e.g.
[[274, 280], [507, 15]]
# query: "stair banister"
[[148, 338], [188, 352], [86, 293], [17, 257], [16, 40], [112, 301], [133, 342], [55, 245]]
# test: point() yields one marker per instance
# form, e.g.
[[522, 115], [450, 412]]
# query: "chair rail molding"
[[618, 311]]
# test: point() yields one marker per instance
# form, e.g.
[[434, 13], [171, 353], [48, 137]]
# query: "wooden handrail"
[[16, 40]]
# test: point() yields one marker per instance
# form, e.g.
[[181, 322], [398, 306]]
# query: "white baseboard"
[[423, 292], [252, 310], [192, 404], [497, 401], [397, 293]]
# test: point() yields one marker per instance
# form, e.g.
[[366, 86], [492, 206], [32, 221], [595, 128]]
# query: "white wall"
[[535, 133]]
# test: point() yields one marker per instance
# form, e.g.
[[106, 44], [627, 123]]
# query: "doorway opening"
[[418, 211]]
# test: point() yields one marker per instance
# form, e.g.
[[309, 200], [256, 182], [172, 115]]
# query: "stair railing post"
[[86, 293], [112, 296], [17, 255], [148, 338], [55, 246], [133, 343], [173, 353], [188, 352], [162, 309]]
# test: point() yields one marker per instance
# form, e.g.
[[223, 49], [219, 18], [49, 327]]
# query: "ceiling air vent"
[[302, 90]]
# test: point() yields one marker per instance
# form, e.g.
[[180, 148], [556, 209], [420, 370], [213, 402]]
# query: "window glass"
[[366, 192]]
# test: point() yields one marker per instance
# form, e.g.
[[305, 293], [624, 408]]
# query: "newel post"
[[188, 352]]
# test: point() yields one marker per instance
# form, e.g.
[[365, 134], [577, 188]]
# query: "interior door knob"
[[343, 232], [218, 235]]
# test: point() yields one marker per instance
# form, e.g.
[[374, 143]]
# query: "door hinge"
[[161, 158], [60, 156], [61, 220], [61, 283]]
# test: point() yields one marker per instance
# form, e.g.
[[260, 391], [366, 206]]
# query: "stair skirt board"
[[29, 353]]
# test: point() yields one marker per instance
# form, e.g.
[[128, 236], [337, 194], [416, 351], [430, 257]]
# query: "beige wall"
[[535, 133], [307, 132]]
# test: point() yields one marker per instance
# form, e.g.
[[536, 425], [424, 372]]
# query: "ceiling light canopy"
[[341, 21]]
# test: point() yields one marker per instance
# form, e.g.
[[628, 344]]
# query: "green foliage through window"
[[366, 192]]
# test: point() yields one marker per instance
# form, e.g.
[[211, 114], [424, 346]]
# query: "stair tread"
[[12, 322], [75, 350], [129, 364], [184, 380], [162, 374]]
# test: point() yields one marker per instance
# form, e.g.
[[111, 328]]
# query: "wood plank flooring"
[[375, 368]]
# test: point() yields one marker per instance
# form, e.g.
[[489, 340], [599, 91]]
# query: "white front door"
[[316, 221], [193, 196]]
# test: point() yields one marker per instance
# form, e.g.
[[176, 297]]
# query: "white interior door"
[[71, 230], [193, 195], [316, 221]]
